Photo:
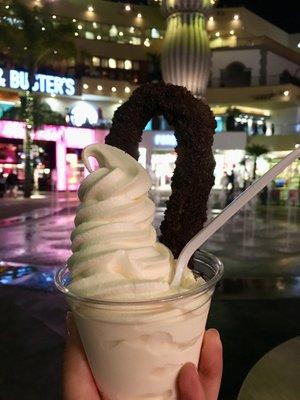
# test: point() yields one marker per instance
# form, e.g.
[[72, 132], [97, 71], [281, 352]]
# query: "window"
[[104, 63], [113, 32], [136, 65], [112, 63], [154, 33], [96, 61], [135, 41], [127, 64], [89, 35], [120, 64]]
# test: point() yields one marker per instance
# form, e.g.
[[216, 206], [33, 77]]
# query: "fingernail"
[[215, 331], [69, 323]]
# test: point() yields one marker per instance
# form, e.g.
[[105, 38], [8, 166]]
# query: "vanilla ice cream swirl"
[[116, 255]]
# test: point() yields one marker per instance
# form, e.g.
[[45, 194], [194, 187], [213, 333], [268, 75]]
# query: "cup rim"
[[199, 255]]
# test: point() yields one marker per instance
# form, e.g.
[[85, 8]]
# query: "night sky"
[[284, 14]]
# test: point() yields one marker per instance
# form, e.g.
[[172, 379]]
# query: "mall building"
[[254, 88]]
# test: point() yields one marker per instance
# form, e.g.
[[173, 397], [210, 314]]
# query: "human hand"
[[203, 383], [79, 384]]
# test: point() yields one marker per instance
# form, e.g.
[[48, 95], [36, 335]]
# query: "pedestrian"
[[12, 184], [2, 185], [224, 187]]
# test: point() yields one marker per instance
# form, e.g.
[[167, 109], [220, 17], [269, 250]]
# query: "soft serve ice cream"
[[116, 253], [135, 342]]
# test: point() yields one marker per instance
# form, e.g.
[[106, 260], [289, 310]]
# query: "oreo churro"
[[194, 125]]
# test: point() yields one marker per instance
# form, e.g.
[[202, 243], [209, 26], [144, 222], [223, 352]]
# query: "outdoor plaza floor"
[[255, 308]]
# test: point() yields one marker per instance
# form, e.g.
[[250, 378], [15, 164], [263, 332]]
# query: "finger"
[[78, 381], [189, 386], [211, 364]]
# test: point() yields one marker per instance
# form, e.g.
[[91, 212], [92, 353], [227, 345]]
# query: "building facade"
[[254, 84]]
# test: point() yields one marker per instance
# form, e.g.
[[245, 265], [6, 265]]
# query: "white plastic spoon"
[[227, 213]]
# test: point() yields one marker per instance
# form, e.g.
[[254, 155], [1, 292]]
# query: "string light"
[[99, 87], [231, 32], [217, 34], [121, 33], [76, 33], [286, 93], [127, 89], [54, 16], [211, 19], [147, 42], [98, 37], [7, 6], [79, 27], [127, 8], [85, 86], [113, 89], [139, 15], [236, 17], [43, 28], [74, 20], [90, 9]]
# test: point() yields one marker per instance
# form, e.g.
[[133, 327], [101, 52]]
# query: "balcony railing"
[[279, 79]]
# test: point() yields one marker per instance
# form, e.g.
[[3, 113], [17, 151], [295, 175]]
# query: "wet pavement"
[[255, 308]]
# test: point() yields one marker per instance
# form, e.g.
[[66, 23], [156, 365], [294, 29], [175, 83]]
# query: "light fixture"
[[286, 93], [79, 27], [217, 34], [114, 89], [74, 20], [139, 15], [43, 28], [231, 32], [121, 34], [90, 8], [147, 42], [211, 19], [99, 87], [236, 17], [76, 33], [54, 16], [85, 86], [127, 89], [98, 37], [127, 8]]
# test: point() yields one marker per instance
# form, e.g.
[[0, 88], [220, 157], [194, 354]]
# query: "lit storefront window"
[[127, 64], [112, 63], [96, 61]]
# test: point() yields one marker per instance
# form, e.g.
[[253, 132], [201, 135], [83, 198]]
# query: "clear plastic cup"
[[136, 348]]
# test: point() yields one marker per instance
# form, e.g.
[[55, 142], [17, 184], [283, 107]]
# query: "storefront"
[[158, 156], [56, 153]]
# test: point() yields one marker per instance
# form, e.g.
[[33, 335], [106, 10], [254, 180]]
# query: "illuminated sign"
[[18, 80], [83, 113], [165, 140]]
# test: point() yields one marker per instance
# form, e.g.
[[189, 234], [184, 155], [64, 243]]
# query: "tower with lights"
[[186, 56]]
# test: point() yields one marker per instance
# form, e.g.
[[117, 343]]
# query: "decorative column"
[[186, 56]]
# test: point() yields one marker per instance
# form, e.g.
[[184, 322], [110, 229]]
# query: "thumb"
[[78, 381], [189, 386]]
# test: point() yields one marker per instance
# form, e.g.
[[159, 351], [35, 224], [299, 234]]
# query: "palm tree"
[[30, 37], [256, 150]]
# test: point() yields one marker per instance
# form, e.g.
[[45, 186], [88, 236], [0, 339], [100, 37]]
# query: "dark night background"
[[283, 14]]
